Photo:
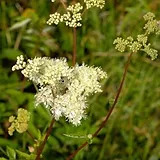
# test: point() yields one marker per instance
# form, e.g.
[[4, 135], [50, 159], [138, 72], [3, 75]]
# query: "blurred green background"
[[133, 131]]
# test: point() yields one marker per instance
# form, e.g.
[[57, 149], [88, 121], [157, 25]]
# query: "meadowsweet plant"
[[64, 90]]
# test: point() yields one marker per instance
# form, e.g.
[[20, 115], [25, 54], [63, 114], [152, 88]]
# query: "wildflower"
[[142, 39], [150, 51], [20, 124], [135, 46], [94, 3], [71, 18], [120, 44], [149, 16], [73, 15], [55, 18], [62, 89], [151, 26]]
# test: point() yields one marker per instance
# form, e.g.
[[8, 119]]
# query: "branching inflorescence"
[[73, 15], [141, 43], [62, 89]]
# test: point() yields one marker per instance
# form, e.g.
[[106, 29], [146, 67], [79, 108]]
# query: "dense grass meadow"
[[133, 130]]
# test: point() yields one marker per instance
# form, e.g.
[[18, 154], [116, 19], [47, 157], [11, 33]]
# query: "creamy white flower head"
[[44, 70], [94, 3], [44, 96], [71, 105], [63, 89], [89, 78]]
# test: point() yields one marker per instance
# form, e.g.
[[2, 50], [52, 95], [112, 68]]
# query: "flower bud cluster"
[[94, 3], [20, 124], [120, 44], [141, 42], [152, 25], [63, 89], [55, 18], [72, 18]]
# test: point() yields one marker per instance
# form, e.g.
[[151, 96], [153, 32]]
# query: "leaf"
[[11, 153], [20, 24], [25, 156]]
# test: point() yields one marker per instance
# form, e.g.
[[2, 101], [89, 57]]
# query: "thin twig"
[[109, 112], [74, 153], [45, 140], [74, 46]]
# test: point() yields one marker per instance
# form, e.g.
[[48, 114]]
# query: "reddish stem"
[[109, 112], [40, 149]]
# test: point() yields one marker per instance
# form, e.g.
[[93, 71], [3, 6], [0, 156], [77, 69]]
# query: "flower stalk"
[[40, 149], [103, 124]]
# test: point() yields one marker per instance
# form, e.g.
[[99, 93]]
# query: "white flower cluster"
[[20, 64], [63, 89], [55, 18], [72, 18], [94, 3]]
